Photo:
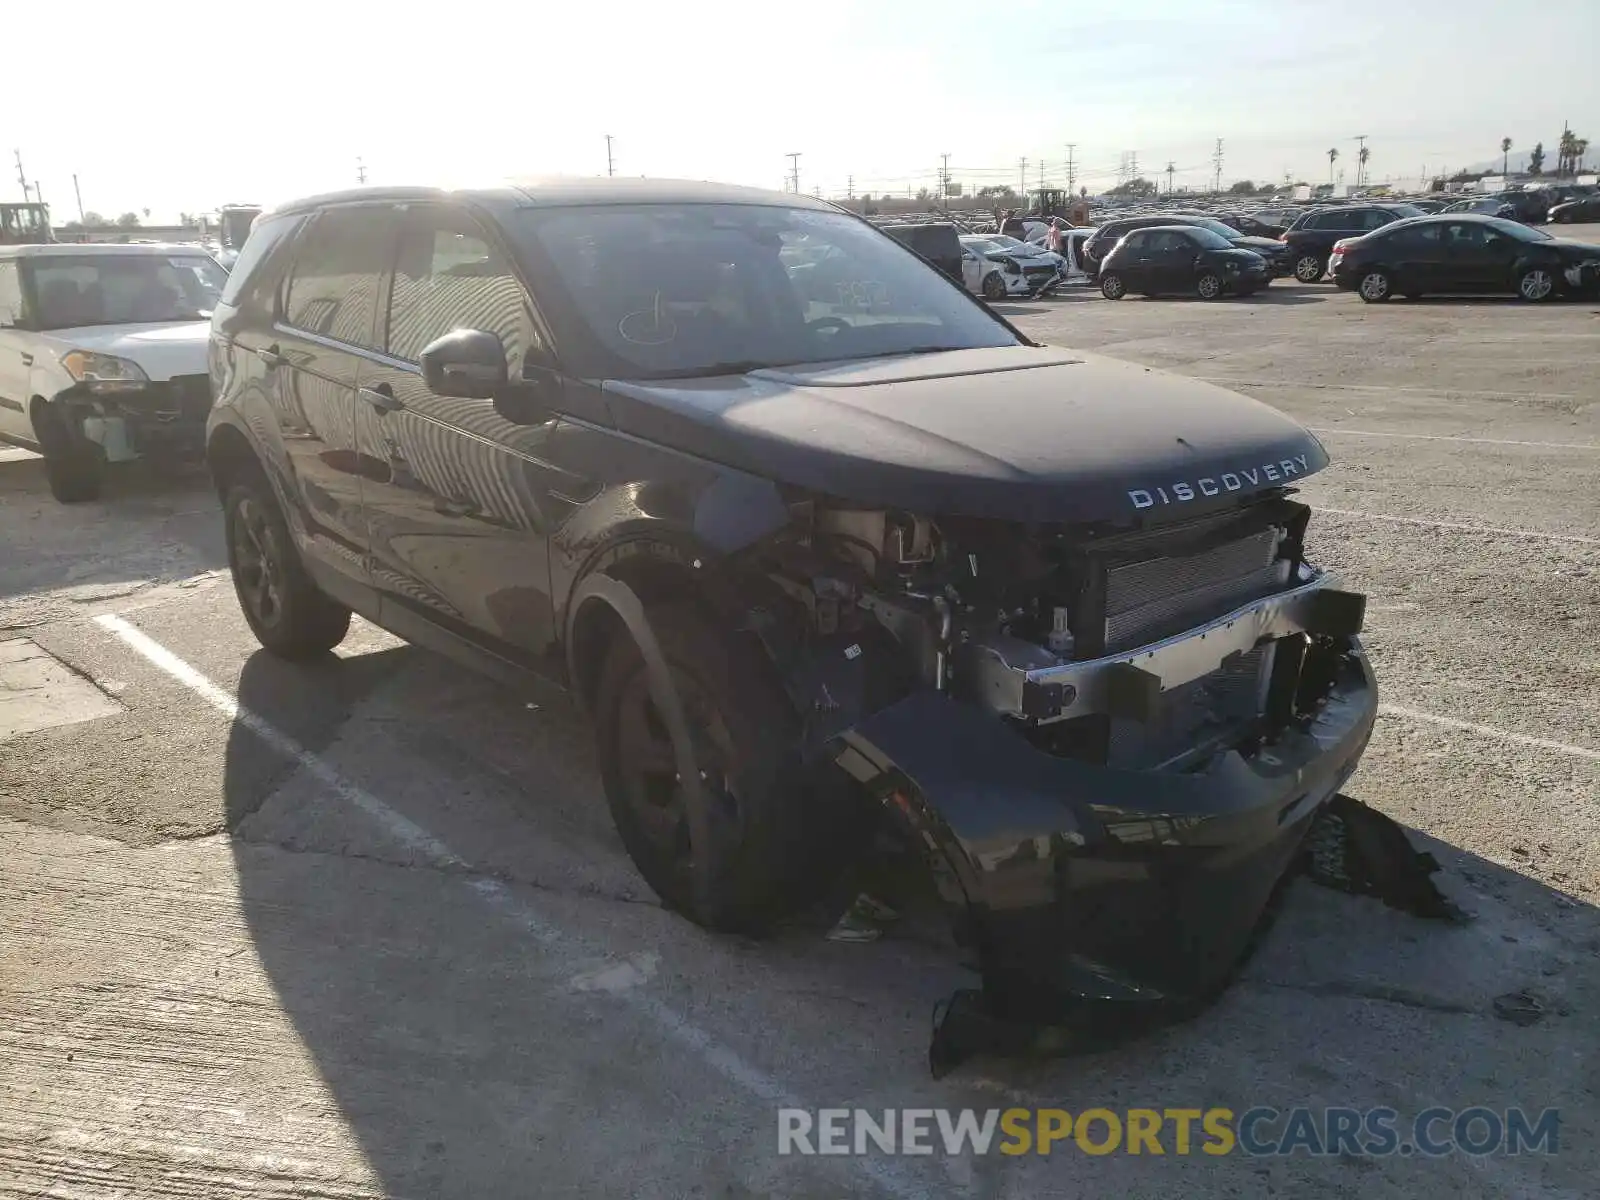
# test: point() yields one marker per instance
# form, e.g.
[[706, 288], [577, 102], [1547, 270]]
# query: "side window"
[[1137, 240], [449, 276], [268, 236], [333, 284], [10, 294]]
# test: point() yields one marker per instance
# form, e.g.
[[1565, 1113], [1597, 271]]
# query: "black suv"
[[1310, 239], [1108, 235], [824, 548]]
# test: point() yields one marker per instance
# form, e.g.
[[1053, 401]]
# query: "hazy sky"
[[172, 106]]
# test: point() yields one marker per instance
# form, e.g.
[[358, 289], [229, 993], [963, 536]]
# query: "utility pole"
[[1216, 158], [1170, 170], [1041, 174], [1022, 178], [361, 170], [79, 196], [794, 170], [944, 179], [850, 187], [22, 176], [611, 163], [1133, 165], [1072, 179]]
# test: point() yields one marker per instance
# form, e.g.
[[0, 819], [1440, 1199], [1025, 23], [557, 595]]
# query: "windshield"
[[662, 290], [1209, 238], [1226, 232], [124, 289]]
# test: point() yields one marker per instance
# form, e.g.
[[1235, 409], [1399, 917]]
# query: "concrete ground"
[[363, 929]]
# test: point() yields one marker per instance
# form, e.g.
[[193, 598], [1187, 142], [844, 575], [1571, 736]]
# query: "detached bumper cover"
[[162, 419], [1083, 882]]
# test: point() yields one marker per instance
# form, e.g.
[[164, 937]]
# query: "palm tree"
[[1361, 167], [1564, 153], [1580, 147], [1505, 156], [1333, 153]]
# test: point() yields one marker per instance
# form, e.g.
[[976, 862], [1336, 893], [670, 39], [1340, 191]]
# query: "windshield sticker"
[[651, 326]]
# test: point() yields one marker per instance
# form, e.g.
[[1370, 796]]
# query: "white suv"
[[103, 356]]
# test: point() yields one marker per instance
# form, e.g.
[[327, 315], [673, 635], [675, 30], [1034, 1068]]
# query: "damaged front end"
[[1108, 747], [162, 420]]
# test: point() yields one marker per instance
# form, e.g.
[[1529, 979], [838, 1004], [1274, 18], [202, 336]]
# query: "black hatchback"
[[1166, 259], [1310, 239]]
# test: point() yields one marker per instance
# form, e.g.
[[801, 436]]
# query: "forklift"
[[25, 225]]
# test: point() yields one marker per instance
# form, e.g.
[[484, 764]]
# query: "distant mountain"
[[1519, 161]]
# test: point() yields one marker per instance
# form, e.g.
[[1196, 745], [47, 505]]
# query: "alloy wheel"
[[1308, 269], [258, 564], [1209, 287], [1375, 287], [1536, 285]]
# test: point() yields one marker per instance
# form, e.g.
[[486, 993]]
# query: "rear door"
[[327, 320], [457, 507], [1171, 257], [1467, 261], [1134, 261]]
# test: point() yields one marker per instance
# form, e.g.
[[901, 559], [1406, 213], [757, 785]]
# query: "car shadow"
[[458, 1073], [149, 526]]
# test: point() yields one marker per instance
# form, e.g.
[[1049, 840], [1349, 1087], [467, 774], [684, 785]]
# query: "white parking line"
[[1504, 735], [890, 1177], [1444, 437], [1574, 538]]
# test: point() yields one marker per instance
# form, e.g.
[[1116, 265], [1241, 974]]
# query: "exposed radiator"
[[1158, 597]]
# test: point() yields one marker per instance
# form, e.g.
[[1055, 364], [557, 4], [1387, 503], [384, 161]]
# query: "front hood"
[[1573, 249], [163, 350], [1260, 245], [1012, 433]]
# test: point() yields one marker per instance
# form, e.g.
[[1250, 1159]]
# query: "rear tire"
[[72, 464], [290, 616], [1375, 287], [1308, 268], [767, 826], [994, 287], [1112, 286]]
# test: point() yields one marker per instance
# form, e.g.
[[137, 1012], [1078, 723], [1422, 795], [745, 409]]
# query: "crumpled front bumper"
[[1076, 881], [164, 419]]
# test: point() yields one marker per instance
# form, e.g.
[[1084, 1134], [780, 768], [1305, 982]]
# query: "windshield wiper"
[[741, 366]]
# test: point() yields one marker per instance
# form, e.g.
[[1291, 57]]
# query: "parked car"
[[1163, 259], [936, 241], [1256, 225], [1064, 264], [1484, 206], [103, 356], [1581, 210], [1107, 236], [1310, 239], [1531, 206], [1465, 252], [995, 269], [815, 560]]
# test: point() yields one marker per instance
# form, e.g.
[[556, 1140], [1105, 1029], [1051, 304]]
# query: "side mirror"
[[469, 364]]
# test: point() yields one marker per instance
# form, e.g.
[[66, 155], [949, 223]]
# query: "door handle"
[[270, 355], [381, 398], [27, 359], [448, 507]]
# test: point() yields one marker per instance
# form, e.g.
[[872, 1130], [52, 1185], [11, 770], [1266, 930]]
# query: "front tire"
[[1375, 287], [1309, 268], [289, 615], [764, 825], [72, 464], [1536, 285], [1111, 286], [994, 287], [1208, 286]]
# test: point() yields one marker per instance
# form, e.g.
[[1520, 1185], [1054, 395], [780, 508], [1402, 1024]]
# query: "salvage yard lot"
[[364, 929]]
